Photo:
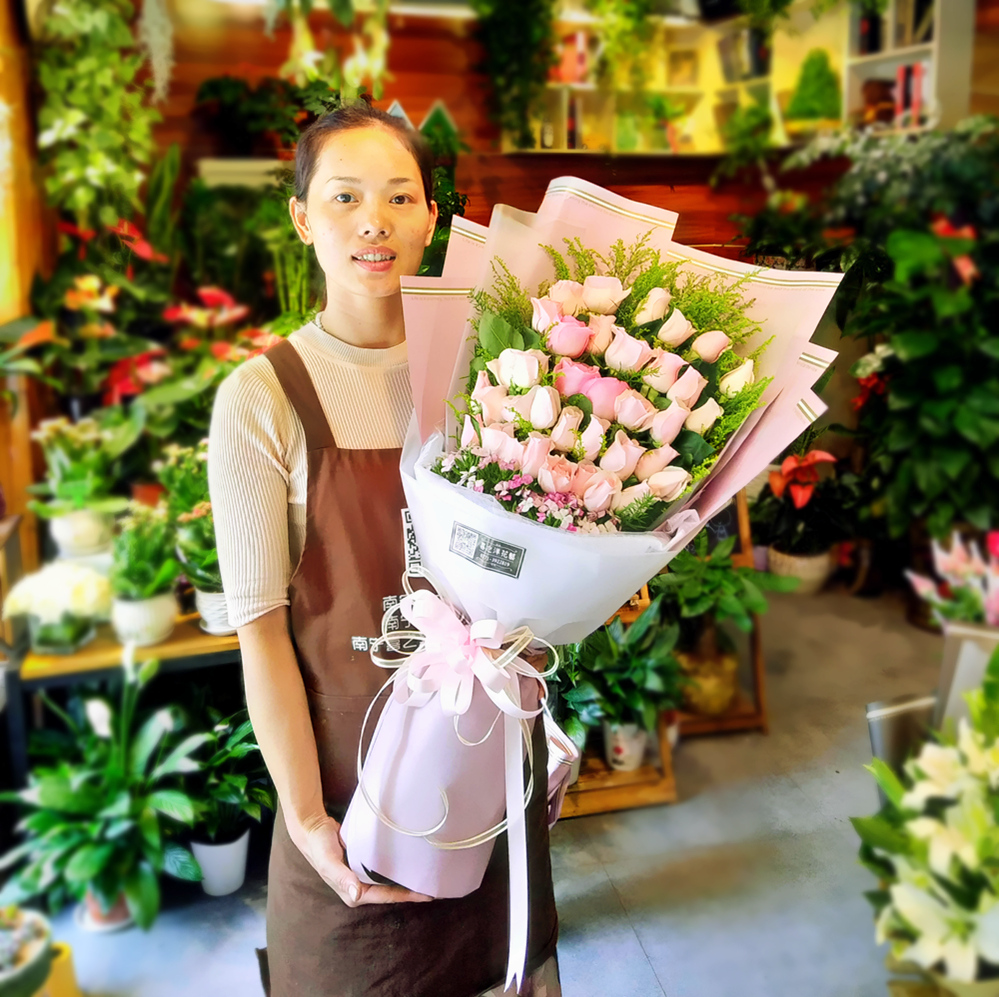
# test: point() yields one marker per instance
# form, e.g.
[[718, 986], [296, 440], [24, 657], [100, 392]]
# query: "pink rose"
[[584, 471], [669, 483], [568, 337], [687, 388], [546, 314], [667, 422], [512, 451], [602, 391], [491, 399], [633, 410], [622, 455], [627, 353], [494, 437], [603, 294], [556, 474], [675, 330], [536, 452], [632, 494], [564, 433], [600, 490], [568, 294], [591, 439], [601, 333], [470, 432], [660, 373], [653, 461], [709, 346], [570, 377]]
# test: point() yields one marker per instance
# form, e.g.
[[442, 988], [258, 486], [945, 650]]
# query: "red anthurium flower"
[[125, 229], [873, 384], [799, 475], [83, 234], [221, 351], [189, 343], [135, 241], [44, 332], [945, 229], [966, 269], [129, 375], [215, 297]]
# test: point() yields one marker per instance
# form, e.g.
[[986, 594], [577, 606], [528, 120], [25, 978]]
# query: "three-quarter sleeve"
[[248, 480]]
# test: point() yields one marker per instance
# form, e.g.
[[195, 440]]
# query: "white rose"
[[653, 307], [626, 496], [564, 432], [519, 368], [735, 380], [675, 330], [701, 419], [569, 296], [545, 407], [669, 483], [602, 295], [591, 439]]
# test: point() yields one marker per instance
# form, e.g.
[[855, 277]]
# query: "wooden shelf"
[[892, 55]]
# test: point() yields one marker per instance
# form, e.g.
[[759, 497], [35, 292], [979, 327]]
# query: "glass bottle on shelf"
[[547, 133]]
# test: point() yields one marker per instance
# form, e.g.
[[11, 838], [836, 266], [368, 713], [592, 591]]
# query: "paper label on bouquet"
[[413, 559], [493, 555]]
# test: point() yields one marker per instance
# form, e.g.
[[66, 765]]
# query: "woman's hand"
[[320, 843]]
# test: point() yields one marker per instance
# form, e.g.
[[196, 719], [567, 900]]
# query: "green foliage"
[[625, 29], [817, 94], [519, 41], [746, 136], [813, 529], [508, 299], [100, 820], [449, 201], [144, 565], [296, 271], [737, 410], [709, 303], [183, 472], [197, 548], [764, 14], [584, 260]]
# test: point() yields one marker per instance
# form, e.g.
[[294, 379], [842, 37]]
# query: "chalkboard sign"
[[724, 524]]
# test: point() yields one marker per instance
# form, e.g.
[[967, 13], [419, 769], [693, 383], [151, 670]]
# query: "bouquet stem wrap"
[[429, 802]]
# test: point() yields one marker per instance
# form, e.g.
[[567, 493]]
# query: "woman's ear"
[[300, 220], [433, 223]]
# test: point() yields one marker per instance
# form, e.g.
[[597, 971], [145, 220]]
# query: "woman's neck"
[[368, 323]]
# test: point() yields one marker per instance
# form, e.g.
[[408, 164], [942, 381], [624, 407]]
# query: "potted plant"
[[702, 590], [932, 848], [573, 702], [80, 464], [62, 601], [630, 675], [800, 518], [816, 100], [97, 830], [233, 787], [183, 471], [144, 608], [25, 952]]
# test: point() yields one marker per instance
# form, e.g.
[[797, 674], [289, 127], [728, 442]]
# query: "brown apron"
[[353, 560]]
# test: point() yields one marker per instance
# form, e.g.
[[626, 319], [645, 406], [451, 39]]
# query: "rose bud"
[[591, 439], [688, 388], [662, 369], [536, 452], [564, 433], [669, 483], [568, 295], [633, 410], [545, 314], [710, 346], [703, 418], [653, 461], [600, 490], [556, 474], [544, 407], [603, 294], [666, 423], [512, 451], [602, 391], [470, 432], [568, 337], [581, 479], [622, 455], [493, 436], [675, 330], [631, 494], [601, 333], [735, 380], [653, 307], [518, 368], [626, 353], [490, 398], [571, 377]]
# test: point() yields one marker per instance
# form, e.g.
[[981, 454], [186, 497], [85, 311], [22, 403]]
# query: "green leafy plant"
[[625, 29], [183, 472], [626, 674], [817, 93], [100, 822], [197, 548], [144, 565], [232, 785]]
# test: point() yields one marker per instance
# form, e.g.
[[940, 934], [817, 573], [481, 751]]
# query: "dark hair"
[[358, 115]]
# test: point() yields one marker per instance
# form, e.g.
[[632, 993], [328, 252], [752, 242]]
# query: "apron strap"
[[301, 392]]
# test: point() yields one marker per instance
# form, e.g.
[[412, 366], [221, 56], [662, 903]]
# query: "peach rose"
[[591, 439], [669, 483], [710, 346], [494, 437], [601, 333], [563, 435], [584, 471], [601, 488], [704, 417], [602, 391], [568, 295], [653, 307], [536, 452], [490, 398], [675, 330], [546, 313], [470, 432], [666, 423], [519, 368], [622, 455], [603, 294], [661, 372], [556, 473], [735, 380], [653, 461], [512, 451], [540, 407], [628, 495], [688, 387], [633, 410], [626, 353]]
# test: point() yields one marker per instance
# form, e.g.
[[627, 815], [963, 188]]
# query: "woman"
[[303, 470]]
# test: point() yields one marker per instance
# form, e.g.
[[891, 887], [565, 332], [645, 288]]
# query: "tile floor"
[[749, 887]]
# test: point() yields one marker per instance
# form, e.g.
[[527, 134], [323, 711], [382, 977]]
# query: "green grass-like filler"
[[508, 299], [708, 303]]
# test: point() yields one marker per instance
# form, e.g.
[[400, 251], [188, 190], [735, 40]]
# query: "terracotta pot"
[[714, 681], [813, 570], [118, 914]]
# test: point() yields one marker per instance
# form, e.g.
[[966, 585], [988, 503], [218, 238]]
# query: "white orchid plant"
[[969, 590], [934, 847]]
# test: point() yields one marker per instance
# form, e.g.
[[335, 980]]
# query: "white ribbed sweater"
[[257, 469]]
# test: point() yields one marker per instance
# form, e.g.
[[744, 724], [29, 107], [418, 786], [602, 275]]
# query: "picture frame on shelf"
[[682, 68]]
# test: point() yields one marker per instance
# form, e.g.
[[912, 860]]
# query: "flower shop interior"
[[784, 772]]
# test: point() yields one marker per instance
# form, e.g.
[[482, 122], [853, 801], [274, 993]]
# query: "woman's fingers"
[[390, 895]]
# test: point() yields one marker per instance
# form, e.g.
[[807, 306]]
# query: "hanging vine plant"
[[519, 39], [625, 31]]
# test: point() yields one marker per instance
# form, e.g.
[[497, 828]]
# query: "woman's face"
[[365, 212]]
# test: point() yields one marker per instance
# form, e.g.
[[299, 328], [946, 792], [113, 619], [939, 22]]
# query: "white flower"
[[99, 717], [701, 419], [59, 588], [675, 330], [653, 307], [669, 483], [982, 761], [569, 296], [602, 294], [938, 771], [519, 368], [735, 380]]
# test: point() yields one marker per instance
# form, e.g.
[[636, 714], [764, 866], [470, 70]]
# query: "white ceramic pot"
[[34, 959], [214, 612], [83, 532], [223, 867], [144, 621], [813, 570], [624, 746]]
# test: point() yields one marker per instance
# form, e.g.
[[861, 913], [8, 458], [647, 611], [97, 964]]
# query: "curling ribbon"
[[449, 658]]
